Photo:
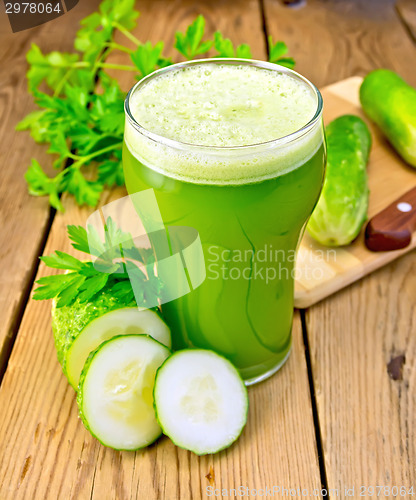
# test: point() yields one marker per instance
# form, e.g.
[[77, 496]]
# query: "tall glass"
[[249, 231]]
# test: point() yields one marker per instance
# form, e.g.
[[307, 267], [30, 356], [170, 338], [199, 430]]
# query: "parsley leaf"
[[225, 48], [51, 286], [62, 260], [276, 51], [70, 292], [82, 125], [147, 57], [85, 191], [83, 280], [79, 238], [110, 173], [97, 28], [51, 67], [89, 288], [40, 184], [190, 43], [33, 122], [122, 14]]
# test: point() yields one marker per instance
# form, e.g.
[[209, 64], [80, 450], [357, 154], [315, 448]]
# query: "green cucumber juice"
[[234, 149]]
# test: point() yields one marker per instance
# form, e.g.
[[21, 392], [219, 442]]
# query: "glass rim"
[[280, 141]]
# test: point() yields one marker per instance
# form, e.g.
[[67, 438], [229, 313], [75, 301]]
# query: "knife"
[[392, 228]]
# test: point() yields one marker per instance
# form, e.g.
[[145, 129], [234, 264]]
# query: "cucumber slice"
[[115, 395], [126, 321], [69, 321], [201, 401]]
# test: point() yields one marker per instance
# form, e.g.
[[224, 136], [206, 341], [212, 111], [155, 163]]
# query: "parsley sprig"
[[84, 279], [83, 126]]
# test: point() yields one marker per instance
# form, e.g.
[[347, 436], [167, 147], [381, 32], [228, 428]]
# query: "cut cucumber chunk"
[[69, 321], [115, 396], [201, 401], [127, 321]]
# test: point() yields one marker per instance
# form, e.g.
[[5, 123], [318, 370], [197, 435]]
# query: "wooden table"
[[332, 418]]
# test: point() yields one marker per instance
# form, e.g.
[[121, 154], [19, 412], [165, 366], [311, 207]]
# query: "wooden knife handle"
[[392, 228]]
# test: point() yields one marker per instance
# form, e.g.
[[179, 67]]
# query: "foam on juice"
[[209, 122]]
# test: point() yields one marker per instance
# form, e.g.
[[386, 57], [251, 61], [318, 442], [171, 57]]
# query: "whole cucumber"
[[342, 207], [391, 103]]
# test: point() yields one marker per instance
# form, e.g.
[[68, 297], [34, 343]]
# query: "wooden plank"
[[367, 418], [240, 21], [322, 271], [45, 451], [407, 12], [24, 218], [334, 40]]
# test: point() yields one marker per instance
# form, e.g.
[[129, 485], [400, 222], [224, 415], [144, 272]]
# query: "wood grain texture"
[[332, 40], [367, 418], [322, 271], [46, 453], [24, 219], [407, 12], [239, 20]]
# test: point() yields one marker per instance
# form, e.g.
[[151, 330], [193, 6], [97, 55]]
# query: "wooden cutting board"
[[322, 271]]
